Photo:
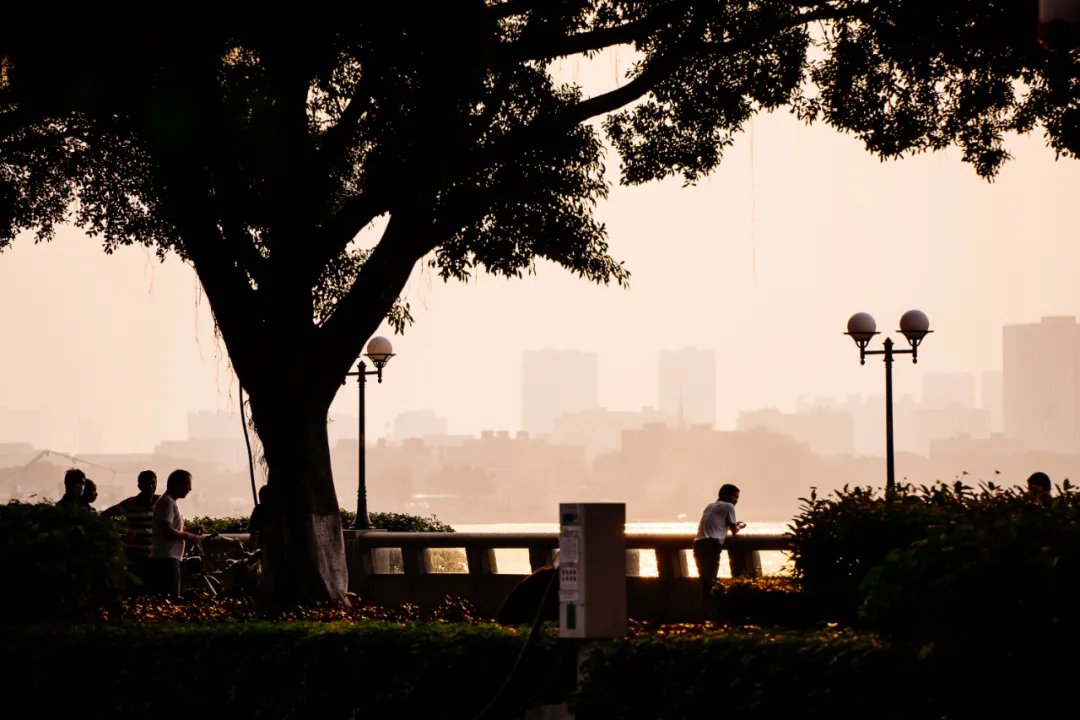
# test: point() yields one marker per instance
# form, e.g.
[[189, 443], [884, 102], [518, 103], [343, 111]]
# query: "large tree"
[[258, 148]]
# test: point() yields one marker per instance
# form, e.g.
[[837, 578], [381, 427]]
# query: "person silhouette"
[[74, 484], [89, 496], [717, 520], [169, 534], [1039, 487], [138, 513]]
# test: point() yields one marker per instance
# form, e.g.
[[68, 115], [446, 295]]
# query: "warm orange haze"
[[536, 360], [113, 358]]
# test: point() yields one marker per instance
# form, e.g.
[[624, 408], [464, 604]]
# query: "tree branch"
[[358, 315], [663, 67], [510, 8], [531, 50], [335, 141]]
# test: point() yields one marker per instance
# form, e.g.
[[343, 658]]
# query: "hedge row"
[[391, 522], [261, 670], [839, 539]]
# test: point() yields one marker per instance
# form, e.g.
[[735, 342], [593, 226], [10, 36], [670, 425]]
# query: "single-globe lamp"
[[915, 326], [861, 327], [379, 351]]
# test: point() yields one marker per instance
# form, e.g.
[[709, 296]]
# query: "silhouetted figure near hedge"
[[1039, 486], [89, 496], [257, 521], [524, 601], [716, 521], [74, 484], [169, 535], [138, 511]]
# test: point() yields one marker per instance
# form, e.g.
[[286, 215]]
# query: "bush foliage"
[[1017, 573], [839, 539], [58, 563], [776, 601], [743, 673], [391, 522], [260, 669]]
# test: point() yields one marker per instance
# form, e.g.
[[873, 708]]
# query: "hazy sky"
[[764, 262]]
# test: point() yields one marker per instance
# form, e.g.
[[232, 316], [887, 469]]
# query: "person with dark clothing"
[[257, 521], [716, 521], [169, 535], [138, 512], [1039, 487], [89, 496], [74, 484]]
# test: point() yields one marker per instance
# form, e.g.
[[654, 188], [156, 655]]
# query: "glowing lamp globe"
[[861, 327], [915, 326], [1059, 24], [379, 351]]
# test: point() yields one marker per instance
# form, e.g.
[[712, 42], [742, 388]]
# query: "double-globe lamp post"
[[379, 352], [862, 328]]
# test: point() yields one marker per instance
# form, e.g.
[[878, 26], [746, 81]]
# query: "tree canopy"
[[258, 147]]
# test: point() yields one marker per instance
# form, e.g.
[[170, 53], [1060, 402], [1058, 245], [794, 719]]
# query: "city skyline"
[[941, 391]]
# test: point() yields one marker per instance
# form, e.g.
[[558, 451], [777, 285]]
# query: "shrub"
[[745, 673], [58, 563], [837, 540], [996, 599], [1018, 579], [400, 522], [391, 522], [220, 525], [772, 601], [267, 670]]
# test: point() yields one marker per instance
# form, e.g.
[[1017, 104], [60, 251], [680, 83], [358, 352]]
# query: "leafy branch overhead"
[[259, 150]]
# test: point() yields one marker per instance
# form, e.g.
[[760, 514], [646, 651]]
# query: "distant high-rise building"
[[1041, 384], [687, 385], [556, 383], [826, 432], [419, 424], [992, 398], [942, 390]]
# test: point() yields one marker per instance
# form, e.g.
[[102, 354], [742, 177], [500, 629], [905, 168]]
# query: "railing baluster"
[[366, 566], [481, 560]]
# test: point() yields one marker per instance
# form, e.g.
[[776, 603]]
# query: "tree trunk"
[[303, 552]]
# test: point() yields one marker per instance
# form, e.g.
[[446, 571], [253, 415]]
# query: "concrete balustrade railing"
[[420, 568]]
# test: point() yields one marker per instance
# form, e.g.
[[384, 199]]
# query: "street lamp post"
[[379, 351], [862, 328]]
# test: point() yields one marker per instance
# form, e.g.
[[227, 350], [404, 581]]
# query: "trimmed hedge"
[[746, 673], [839, 539], [773, 601], [57, 563], [391, 522], [267, 670]]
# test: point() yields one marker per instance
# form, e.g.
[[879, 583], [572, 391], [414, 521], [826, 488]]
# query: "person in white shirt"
[[168, 534], [717, 519]]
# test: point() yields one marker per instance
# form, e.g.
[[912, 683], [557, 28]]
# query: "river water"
[[517, 561]]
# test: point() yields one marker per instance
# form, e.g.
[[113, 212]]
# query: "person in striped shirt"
[[138, 510]]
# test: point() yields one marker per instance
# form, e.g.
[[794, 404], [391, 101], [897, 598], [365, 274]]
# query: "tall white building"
[[687, 385], [1041, 384], [556, 383]]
